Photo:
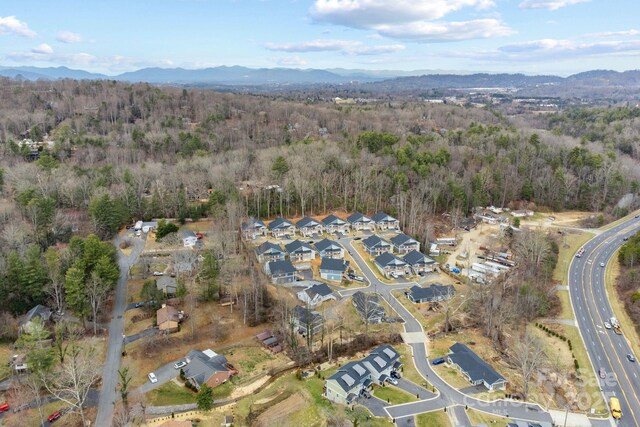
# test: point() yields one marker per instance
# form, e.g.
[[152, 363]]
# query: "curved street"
[[590, 302], [448, 396]]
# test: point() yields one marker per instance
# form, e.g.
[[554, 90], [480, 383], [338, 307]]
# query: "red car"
[[4, 407], [199, 235], [54, 416]]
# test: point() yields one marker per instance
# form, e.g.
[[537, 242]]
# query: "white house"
[[189, 238], [316, 294]]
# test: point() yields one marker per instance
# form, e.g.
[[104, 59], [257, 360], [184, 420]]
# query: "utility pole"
[[566, 414]]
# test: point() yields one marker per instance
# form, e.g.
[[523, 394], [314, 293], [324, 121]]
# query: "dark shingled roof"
[[332, 219], [382, 217], [402, 239], [307, 222], [268, 247], [434, 292], [476, 368], [281, 267], [358, 217], [321, 289], [332, 264], [417, 258], [389, 259], [375, 241], [279, 223], [325, 244], [298, 246], [252, 224]]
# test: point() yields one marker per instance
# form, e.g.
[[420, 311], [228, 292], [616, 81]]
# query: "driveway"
[[413, 389], [146, 333], [108, 394], [375, 405], [164, 374]]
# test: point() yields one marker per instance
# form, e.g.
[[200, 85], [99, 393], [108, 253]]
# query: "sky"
[[531, 36]]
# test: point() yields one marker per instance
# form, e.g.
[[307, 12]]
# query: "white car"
[[392, 381], [602, 264], [607, 325], [180, 364], [153, 378]]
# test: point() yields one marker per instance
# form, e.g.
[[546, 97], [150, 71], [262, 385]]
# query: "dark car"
[[395, 375], [357, 238], [54, 416], [631, 358], [437, 361]]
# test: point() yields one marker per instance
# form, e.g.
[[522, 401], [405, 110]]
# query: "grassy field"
[[393, 395], [477, 417], [5, 356], [171, 394], [572, 242], [433, 419]]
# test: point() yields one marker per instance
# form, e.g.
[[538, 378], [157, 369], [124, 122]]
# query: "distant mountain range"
[[376, 80]]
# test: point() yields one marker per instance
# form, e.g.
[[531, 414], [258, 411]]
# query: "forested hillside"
[[122, 152]]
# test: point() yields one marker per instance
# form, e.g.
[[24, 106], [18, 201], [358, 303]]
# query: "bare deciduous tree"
[[527, 355]]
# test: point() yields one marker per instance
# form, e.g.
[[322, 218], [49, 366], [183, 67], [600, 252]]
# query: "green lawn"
[[574, 242], [5, 355], [171, 394], [477, 417], [433, 419], [393, 395], [409, 370]]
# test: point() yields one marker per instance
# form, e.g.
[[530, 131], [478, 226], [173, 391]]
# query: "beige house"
[[168, 319]]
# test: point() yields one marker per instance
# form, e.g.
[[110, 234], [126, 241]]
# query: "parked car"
[[138, 304], [625, 238], [631, 358], [54, 416], [199, 235], [602, 373], [421, 273], [357, 238], [392, 380], [158, 273], [395, 375], [438, 361], [358, 278], [4, 407], [153, 378], [180, 364], [607, 325]]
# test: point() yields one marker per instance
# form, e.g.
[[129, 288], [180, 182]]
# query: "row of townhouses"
[[306, 227]]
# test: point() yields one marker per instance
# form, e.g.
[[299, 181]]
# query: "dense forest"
[[109, 153]]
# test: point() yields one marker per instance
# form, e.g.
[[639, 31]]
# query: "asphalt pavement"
[[108, 394], [590, 301]]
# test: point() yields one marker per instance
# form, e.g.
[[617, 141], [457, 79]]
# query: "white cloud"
[[69, 37], [367, 13], [415, 20], [549, 4], [291, 61], [12, 25], [607, 34], [43, 49], [347, 47], [77, 59], [446, 31]]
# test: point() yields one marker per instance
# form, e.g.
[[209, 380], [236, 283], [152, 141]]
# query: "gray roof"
[[358, 217], [281, 267], [389, 259], [332, 219], [382, 358], [298, 246], [186, 233], [38, 311], [167, 284], [350, 375], [253, 224], [375, 241], [368, 306], [279, 223], [200, 367], [325, 244], [305, 316], [434, 292], [321, 289], [332, 264], [268, 247], [307, 222], [402, 239], [382, 217], [417, 258], [476, 368]]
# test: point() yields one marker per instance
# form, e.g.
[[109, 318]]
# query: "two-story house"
[[375, 245], [333, 224], [390, 265], [419, 262], [253, 228], [385, 222], [404, 244], [329, 249], [300, 251], [282, 228], [307, 227], [269, 251], [360, 221]]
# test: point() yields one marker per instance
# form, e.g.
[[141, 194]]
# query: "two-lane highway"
[[607, 350]]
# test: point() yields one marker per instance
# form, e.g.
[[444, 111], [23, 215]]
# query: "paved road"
[[448, 396], [108, 393], [145, 333], [591, 305]]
